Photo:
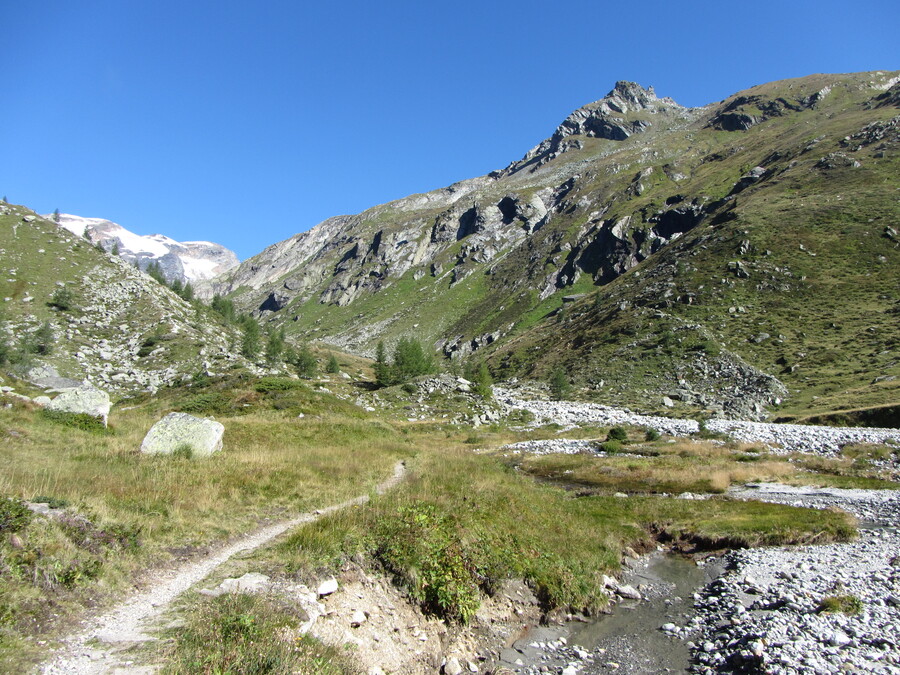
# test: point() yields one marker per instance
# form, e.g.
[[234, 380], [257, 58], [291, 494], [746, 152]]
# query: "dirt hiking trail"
[[123, 624]]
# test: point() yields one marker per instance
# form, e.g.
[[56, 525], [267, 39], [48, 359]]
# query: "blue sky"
[[244, 123]]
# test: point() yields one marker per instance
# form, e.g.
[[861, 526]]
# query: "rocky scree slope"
[[185, 261], [752, 242], [122, 330]]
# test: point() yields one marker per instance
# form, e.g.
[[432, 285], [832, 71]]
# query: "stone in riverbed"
[[178, 430], [452, 666]]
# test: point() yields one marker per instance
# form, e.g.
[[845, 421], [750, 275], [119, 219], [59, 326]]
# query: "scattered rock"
[[327, 587], [452, 666]]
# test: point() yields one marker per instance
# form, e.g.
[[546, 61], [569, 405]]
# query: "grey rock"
[[452, 666], [177, 430], [327, 587], [627, 591], [250, 583], [86, 399]]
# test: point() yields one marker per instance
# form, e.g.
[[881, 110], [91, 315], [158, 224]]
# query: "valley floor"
[[770, 610]]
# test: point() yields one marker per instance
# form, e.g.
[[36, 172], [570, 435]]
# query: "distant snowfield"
[[199, 259]]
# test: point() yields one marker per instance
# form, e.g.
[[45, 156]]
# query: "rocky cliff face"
[[185, 261], [622, 185]]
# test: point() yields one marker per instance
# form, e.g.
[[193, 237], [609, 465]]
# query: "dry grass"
[[687, 465]]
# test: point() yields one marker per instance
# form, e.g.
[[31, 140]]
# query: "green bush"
[[332, 367], [617, 434], [52, 502], [444, 579], [651, 435], [208, 403], [560, 388], [611, 447], [306, 363], [483, 381], [14, 515], [270, 384], [275, 346], [148, 345], [183, 451], [62, 299], [80, 421], [40, 341]]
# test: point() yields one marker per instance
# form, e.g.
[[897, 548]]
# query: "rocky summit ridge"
[[185, 261], [737, 257]]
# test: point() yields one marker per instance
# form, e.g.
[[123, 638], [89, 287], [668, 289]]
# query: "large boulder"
[[85, 399], [178, 431]]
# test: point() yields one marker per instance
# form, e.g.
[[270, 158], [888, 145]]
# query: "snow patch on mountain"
[[185, 261]]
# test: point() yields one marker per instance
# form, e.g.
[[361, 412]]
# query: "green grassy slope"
[[120, 328]]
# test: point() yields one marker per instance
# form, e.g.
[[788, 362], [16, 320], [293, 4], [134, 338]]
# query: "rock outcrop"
[[182, 433]]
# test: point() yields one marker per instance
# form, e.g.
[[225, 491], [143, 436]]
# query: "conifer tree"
[[333, 366], [251, 341], [306, 363]]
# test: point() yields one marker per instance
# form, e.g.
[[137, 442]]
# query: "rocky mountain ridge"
[[637, 233], [186, 261]]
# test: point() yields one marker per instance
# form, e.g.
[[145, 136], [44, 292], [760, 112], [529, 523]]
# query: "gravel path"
[[125, 622], [781, 438]]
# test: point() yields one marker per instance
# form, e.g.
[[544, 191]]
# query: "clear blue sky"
[[246, 122]]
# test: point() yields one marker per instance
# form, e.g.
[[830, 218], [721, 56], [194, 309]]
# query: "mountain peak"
[[624, 111], [185, 261]]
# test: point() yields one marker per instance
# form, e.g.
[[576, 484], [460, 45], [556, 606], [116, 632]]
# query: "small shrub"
[[483, 381], [611, 447], [560, 387], [617, 434], [247, 634], [703, 431], [845, 604], [270, 384], [62, 299], [651, 435], [148, 345], [40, 341], [80, 421], [305, 363], [52, 502], [211, 402], [520, 416], [332, 367], [14, 515], [409, 388], [183, 451]]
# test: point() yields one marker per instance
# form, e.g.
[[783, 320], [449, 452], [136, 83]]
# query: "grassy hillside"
[[88, 314]]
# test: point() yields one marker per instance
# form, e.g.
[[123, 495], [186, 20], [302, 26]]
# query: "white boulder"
[[85, 399], [180, 430]]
